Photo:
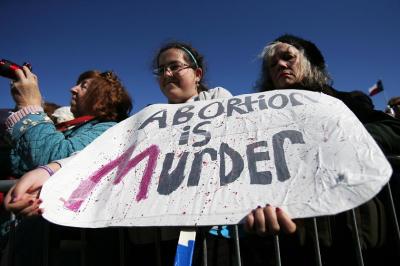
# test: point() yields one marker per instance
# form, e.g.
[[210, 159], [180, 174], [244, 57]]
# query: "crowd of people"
[[99, 101]]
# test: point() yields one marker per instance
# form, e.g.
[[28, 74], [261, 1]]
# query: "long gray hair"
[[314, 78]]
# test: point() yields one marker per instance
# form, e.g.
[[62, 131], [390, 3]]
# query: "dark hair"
[[394, 101], [362, 99], [106, 95], [185, 47]]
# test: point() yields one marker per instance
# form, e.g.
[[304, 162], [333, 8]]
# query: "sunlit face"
[[285, 67], [78, 106], [179, 80]]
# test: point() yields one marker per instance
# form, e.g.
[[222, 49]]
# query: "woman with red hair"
[[99, 101]]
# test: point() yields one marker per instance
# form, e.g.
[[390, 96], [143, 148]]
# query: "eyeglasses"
[[173, 68]]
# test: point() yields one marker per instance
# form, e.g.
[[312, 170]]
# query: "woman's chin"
[[287, 85]]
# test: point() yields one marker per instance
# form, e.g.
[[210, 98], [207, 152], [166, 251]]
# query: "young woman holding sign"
[[180, 70]]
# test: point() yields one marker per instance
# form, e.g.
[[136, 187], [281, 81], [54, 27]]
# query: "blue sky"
[[359, 39]]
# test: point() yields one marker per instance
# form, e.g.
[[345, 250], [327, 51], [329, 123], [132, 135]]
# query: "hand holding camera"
[[24, 89]]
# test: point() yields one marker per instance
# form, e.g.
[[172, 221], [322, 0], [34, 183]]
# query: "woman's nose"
[[73, 89], [282, 63], [167, 72]]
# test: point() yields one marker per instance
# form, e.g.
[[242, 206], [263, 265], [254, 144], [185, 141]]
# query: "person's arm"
[[269, 220], [23, 197], [25, 91], [38, 143]]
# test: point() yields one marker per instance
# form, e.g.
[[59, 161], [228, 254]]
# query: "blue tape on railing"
[[184, 254], [185, 248]]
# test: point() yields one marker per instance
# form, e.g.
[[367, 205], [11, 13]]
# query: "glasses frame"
[[160, 71]]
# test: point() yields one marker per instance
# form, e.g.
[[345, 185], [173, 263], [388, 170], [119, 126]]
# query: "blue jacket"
[[37, 142]]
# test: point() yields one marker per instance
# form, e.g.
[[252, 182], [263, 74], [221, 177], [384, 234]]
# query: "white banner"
[[211, 162]]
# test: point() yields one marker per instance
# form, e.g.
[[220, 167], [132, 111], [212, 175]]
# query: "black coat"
[[384, 128]]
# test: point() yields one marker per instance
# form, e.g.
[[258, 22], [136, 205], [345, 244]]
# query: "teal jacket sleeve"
[[36, 141]]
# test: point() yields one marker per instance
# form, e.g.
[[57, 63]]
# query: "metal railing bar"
[[360, 260], [204, 245], [277, 250], [393, 211], [316, 243], [237, 245]]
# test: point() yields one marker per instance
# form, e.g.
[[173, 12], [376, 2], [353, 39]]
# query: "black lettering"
[[183, 115], [183, 140], [170, 182], [284, 100], [220, 110], [162, 120], [278, 140], [197, 164], [237, 164], [254, 157], [293, 100], [233, 104], [262, 104], [205, 133], [291, 96], [249, 103]]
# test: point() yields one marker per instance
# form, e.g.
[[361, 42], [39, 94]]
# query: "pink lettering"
[[124, 165]]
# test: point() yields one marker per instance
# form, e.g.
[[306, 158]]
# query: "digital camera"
[[7, 68]]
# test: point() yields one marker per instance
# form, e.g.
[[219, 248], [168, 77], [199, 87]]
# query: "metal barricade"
[[319, 259]]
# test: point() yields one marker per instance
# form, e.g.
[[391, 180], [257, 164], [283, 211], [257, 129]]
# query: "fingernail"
[[278, 209], [28, 65], [258, 206], [39, 201], [30, 202], [40, 212], [267, 205]]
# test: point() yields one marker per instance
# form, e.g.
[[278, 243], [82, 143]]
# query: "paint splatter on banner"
[[211, 162]]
